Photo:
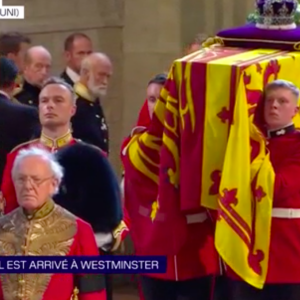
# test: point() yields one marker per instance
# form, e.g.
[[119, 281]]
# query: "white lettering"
[[74, 265], [120, 265], [49, 265], [15, 264], [32, 265], [9, 265], [11, 12]]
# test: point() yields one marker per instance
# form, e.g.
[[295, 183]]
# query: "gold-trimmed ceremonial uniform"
[[89, 123], [50, 231], [8, 200]]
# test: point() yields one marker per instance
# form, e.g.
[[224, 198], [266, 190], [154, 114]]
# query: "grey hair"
[[87, 62], [280, 83], [60, 81], [48, 157]]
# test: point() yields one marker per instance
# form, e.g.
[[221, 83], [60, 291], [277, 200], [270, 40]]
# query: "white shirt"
[[72, 74]]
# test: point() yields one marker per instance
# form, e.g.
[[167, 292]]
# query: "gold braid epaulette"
[[213, 41], [18, 147], [117, 235]]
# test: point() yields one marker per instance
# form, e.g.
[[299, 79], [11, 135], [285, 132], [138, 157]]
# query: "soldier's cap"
[[159, 79]]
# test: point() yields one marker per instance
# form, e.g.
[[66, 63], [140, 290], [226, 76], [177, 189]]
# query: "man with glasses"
[[37, 175]]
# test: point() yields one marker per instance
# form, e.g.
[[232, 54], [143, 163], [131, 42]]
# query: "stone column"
[[151, 41]]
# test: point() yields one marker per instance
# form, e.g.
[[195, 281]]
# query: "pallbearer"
[[274, 117]]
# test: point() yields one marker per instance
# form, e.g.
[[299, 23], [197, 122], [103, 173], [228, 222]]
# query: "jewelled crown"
[[276, 13]]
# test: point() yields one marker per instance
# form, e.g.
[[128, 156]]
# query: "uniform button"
[[20, 296], [97, 116], [105, 140], [30, 101], [91, 104], [21, 281]]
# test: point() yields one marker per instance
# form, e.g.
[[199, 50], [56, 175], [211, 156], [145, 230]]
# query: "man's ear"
[[55, 185], [74, 109], [296, 111]]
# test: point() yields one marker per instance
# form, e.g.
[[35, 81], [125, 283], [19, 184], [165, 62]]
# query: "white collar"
[[4, 94], [72, 74]]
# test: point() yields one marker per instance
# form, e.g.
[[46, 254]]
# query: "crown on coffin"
[[276, 14]]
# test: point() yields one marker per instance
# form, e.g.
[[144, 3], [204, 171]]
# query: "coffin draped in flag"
[[179, 159], [207, 94]]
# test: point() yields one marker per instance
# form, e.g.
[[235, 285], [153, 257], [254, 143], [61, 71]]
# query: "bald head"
[[35, 52], [96, 70], [37, 65]]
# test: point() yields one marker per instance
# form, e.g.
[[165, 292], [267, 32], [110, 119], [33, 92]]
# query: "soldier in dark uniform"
[[77, 46], [18, 123], [89, 122], [37, 65]]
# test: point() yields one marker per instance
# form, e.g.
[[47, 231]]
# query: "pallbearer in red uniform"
[[53, 232], [143, 122], [274, 116], [189, 268]]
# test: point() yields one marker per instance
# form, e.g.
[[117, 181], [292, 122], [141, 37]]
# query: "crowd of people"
[[60, 195], [54, 148]]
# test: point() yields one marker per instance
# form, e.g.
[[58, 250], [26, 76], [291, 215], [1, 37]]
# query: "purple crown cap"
[[276, 13]]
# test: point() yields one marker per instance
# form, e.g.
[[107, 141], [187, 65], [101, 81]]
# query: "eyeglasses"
[[21, 181]]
